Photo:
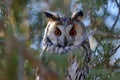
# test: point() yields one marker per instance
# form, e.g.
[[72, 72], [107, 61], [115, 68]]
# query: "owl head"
[[63, 33]]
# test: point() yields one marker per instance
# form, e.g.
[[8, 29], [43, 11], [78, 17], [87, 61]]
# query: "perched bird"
[[66, 34]]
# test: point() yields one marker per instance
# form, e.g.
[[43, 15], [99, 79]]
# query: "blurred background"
[[22, 24]]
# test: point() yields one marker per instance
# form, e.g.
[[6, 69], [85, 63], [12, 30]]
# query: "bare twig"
[[104, 34], [111, 52], [118, 5]]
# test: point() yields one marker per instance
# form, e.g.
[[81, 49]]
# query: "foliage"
[[15, 25]]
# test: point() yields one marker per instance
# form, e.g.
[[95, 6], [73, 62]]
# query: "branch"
[[118, 4], [46, 73], [43, 71], [104, 34], [109, 54], [113, 51]]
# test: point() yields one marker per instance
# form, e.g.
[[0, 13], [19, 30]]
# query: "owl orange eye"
[[73, 32], [57, 32]]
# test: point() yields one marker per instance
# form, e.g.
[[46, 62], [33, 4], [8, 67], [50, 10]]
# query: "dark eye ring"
[[57, 32], [73, 33]]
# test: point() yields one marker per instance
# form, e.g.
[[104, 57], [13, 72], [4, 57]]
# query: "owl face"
[[64, 32]]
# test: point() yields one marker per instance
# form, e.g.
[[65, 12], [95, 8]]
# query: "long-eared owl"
[[64, 35]]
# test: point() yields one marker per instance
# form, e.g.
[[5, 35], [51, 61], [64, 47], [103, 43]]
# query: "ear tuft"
[[51, 16], [76, 15]]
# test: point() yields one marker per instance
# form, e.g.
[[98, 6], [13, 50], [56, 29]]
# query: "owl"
[[64, 34]]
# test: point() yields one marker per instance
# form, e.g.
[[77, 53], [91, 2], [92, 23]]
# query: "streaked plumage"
[[64, 35]]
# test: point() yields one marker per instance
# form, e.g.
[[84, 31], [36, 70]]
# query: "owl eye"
[[57, 32], [72, 32]]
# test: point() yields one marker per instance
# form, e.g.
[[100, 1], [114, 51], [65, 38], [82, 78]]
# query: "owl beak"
[[65, 41]]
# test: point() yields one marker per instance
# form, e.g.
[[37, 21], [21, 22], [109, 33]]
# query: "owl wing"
[[78, 69]]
